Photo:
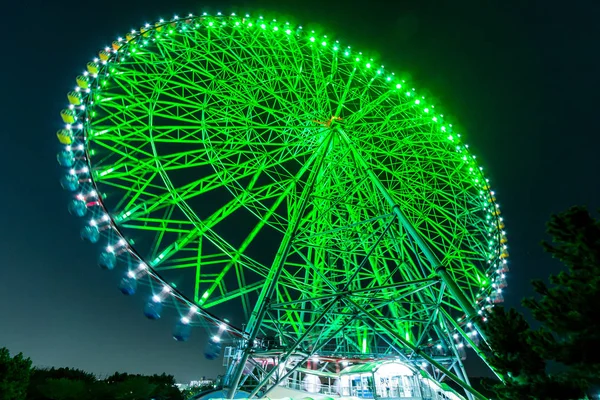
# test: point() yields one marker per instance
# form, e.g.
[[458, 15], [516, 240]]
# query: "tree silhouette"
[[14, 375], [569, 316]]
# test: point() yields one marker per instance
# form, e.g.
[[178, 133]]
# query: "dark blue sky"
[[520, 76]]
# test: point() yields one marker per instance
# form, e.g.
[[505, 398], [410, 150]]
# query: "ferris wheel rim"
[[133, 251]]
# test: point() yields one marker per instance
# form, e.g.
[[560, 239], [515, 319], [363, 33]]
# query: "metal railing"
[[409, 390]]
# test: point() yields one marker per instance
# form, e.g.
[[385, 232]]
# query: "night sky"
[[522, 77]]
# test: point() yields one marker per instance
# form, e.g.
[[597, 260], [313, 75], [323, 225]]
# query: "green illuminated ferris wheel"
[[286, 188]]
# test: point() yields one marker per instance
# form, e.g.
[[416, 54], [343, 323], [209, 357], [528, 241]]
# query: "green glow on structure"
[[243, 158]]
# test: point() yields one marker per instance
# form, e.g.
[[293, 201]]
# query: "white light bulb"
[[156, 299], [185, 320]]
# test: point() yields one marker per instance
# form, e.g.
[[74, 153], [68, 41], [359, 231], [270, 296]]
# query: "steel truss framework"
[[283, 180]]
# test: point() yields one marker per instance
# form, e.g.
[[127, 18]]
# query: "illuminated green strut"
[[291, 185]]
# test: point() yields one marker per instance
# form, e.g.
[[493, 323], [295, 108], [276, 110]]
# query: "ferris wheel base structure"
[[382, 379], [287, 194]]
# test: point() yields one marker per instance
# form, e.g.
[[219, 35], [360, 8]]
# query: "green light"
[[218, 274]]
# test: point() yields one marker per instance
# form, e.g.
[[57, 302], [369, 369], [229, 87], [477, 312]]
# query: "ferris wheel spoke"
[[201, 186], [232, 294], [261, 224], [200, 137], [254, 72]]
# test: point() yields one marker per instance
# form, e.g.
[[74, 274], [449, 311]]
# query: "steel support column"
[[390, 331], [278, 265], [452, 287]]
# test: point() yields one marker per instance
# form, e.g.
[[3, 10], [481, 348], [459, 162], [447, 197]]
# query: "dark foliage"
[[569, 317], [71, 384], [14, 375]]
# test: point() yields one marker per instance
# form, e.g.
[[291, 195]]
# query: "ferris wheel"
[[274, 185]]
